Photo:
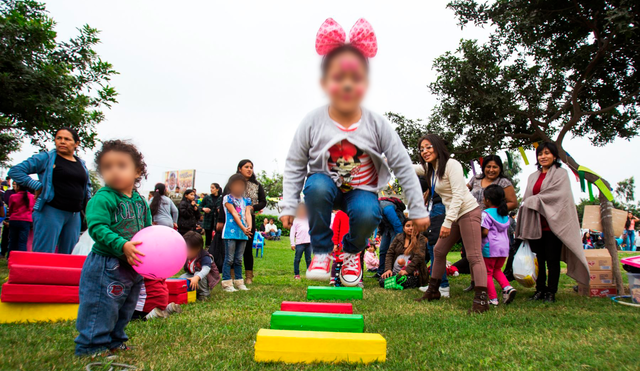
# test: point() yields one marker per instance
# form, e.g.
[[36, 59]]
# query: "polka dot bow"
[[331, 35]]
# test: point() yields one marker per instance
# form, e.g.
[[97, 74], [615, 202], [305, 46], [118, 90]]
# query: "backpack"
[[396, 201]]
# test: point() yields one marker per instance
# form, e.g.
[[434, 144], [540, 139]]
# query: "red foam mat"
[[179, 298], [294, 306], [45, 259], [16, 293], [176, 285], [39, 275]]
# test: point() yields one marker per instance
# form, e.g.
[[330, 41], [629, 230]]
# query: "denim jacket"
[[42, 164]]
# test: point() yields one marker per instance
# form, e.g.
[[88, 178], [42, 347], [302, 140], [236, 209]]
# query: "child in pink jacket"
[[371, 259], [21, 217]]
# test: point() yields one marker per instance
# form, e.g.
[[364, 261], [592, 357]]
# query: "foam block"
[[37, 312], [177, 285], [314, 346], [191, 297], [333, 293], [293, 306], [46, 259], [303, 321], [43, 275], [179, 298], [15, 293]]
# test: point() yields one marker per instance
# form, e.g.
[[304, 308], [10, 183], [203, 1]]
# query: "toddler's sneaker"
[[351, 271], [173, 308], [494, 302], [332, 282], [121, 348], [156, 313], [296, 277], [508, 294], [320, 268]]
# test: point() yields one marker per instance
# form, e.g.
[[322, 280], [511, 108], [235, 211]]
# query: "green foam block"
[[333, 293], [305, 321]]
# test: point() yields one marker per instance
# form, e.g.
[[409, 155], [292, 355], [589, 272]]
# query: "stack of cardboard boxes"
[[601, 281]]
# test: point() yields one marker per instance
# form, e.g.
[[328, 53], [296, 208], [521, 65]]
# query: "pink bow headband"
[[331, 35]]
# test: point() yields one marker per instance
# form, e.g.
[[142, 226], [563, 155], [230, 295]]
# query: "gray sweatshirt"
[[309, 154], [167, 213]]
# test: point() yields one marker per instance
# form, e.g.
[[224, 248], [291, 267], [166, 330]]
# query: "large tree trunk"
[[606, 219]]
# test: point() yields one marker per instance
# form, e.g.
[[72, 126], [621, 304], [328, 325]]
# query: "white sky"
[[204, 84]]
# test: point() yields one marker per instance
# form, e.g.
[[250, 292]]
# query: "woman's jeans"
[[322, 196], [18, 235], [109, 290], [302, 248], [385, 241], [233, 251], [445, 280], [630, 240], [53, 227]]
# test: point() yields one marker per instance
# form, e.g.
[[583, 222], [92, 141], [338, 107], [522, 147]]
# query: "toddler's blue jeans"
[[109, 289], [322, 196], [233, 251]]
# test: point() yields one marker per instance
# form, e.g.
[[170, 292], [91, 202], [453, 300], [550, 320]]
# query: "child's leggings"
[[322, 196], [494, 270]]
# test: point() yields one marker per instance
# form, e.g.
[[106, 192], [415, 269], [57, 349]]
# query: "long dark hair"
[[495, 194], [253, 175], [217, 186], [25, 195], [440, 148], [497, 160], [554, 151], [414, 241], [159, 191]]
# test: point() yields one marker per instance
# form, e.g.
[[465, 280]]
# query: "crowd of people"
[[341, 156]]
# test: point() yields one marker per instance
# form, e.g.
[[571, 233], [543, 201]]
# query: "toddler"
[[236, 231], [21, 213], [495, 242], [201, 273], [300, 240], [370, 258], [109, 287], [344, 151]]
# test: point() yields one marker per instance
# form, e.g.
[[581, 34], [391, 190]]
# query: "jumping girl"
[[344, 151]]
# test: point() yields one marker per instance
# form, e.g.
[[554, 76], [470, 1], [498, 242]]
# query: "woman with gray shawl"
[[549, 221]]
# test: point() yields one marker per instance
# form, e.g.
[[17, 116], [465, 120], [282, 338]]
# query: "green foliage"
[[550, 68], [96, 184], [260, 219], [409, 131], [625, 190], [272, 187], [46, 84]]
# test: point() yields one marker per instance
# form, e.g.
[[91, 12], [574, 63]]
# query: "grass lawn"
[[576, 333]]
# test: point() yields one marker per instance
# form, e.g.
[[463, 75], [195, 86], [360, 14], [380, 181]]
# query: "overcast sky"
[[204, 84]]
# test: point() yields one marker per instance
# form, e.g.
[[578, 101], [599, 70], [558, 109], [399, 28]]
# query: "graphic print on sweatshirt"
[[352, 165], [130, 217]]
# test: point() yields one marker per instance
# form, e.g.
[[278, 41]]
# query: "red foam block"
[[39, 275], [176, 285], [294, 306], [45, 259], [179, 298], [16, 293]]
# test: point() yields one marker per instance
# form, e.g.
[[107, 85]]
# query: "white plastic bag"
[[84, 245], [525, 265]]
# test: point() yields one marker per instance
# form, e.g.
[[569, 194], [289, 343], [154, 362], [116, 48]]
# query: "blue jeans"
[[109, 290], [322, 196], [629, 239], [275, 234], [18, 235], [302, 248], [233, 251], [385, 241], [53, 227], [445, 280]]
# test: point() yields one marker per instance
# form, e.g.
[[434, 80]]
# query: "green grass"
[[576, 333]]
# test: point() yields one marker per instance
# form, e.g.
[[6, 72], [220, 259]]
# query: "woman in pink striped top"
[[300, 240]]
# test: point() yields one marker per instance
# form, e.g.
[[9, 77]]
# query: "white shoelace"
[[350, 261], [322, 258]]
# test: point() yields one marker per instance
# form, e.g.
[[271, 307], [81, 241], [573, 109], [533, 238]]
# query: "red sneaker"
[[320, 268], [351, 271]]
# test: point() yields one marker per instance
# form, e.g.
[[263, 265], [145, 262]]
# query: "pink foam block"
[[633, 261], [15, 293], [46, 259], [39, 275], [294, 306]]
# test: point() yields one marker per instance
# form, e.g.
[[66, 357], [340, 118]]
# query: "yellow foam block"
[[314, 346], [191, 296], [37, 312]]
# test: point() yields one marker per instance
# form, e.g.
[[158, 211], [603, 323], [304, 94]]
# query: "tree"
[[272, 188], [625, 190], [550, 68], [46, 84], [96, 184]]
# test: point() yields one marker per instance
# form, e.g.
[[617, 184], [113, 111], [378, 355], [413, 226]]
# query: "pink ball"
[[165, 252]]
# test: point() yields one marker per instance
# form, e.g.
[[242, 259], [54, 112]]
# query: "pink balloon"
[[165, 252]]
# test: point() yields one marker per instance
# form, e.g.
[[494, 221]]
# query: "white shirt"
[[270, 228]]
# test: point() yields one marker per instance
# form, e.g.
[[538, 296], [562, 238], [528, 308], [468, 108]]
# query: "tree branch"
[[607, 109]]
